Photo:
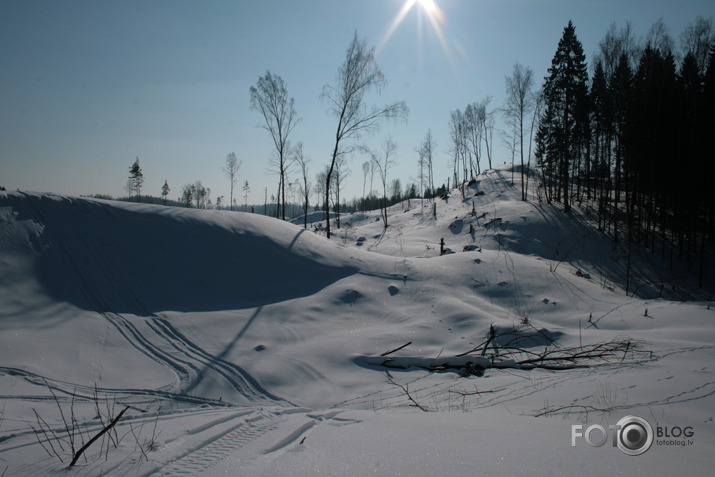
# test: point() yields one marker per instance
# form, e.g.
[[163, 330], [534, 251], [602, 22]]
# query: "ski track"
[[241, 380], [163, 348], [190, 363], [193, 362]]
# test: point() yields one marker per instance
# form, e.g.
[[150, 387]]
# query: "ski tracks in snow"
[[163, 343]]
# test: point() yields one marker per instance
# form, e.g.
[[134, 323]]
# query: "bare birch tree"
[[473, 119], [383, 161], [425, 154], [305, 186], [231, 171], [357, 75], [488, 124], [519, 104], [366, 170], [270, 97], [698, 38], [458, 136], [340, 175]]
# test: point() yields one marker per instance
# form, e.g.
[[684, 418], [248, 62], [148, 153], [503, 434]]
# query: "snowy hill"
[[243, 344]]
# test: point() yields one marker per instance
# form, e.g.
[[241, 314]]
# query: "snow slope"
[[245, 345]]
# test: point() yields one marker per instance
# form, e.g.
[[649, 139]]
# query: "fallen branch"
[[585, 408], [99, 434], [472, 393], [615, 352], [397, 349]]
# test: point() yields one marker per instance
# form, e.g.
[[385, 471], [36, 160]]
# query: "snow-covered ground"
[[243, 345]]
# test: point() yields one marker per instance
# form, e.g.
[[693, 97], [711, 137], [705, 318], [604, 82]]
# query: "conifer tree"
[[136, 179], [165, 191], [566, 101], [619, 92], [601, 139]]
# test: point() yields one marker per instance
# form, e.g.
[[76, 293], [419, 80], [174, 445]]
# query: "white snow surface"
[[244, 345]]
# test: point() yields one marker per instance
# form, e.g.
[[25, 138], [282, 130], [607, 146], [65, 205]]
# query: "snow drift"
[[119, 257]]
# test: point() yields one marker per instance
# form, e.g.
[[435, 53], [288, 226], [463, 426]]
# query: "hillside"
[[244, 344]]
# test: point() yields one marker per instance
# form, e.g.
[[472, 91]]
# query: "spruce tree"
[[165, 191], [566, 96]]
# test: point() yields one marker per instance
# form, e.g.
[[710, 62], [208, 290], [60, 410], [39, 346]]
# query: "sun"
[[429, 8]]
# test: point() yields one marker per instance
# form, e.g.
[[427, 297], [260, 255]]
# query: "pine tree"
[[136, 179], [165, 191]]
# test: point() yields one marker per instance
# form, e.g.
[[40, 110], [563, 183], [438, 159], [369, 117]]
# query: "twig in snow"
[[397, 349], [100, 434], [406, 390], [585, 408]]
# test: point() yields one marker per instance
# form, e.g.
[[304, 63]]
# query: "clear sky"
[[86, 86]]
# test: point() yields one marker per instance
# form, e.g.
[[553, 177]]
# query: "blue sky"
[[86, 86]]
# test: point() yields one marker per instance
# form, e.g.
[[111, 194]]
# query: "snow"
[[245, 345]]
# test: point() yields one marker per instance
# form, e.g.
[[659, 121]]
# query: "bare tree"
[[474, 123], [616, 43], [340, 175], [458, 135], [519, 103], [319, 188], [488, 124], [270, 97], [383, 161], [467, 131], [304, 188], [509, 141], [231, 171], [421, 176], [698, 38], [357, 75], [426, 158], [201, 195], [366, 170], [659, 38]]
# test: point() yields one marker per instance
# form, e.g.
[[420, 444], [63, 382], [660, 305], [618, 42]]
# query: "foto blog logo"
[[633, 435]]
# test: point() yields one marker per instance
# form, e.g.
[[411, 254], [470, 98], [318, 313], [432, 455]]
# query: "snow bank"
[[121, 257]]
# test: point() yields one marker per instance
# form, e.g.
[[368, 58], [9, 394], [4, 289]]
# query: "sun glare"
[[430, 10]]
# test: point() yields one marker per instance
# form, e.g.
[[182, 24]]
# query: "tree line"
[[635, 140]]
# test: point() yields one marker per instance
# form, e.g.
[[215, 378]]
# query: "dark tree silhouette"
[[565, 123], [136, 179]]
